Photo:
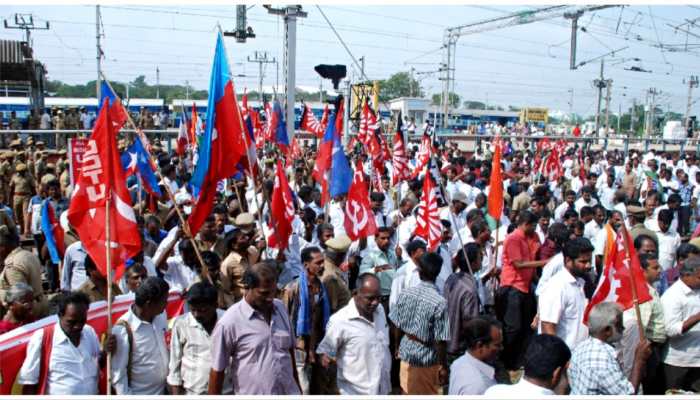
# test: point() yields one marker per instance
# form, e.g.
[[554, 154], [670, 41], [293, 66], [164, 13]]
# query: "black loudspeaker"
[[333, 72]]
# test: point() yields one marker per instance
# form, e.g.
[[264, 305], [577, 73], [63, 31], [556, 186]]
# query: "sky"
[[525, 65]]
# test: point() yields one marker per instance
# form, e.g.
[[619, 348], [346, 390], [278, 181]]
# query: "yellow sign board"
[[534, 115]]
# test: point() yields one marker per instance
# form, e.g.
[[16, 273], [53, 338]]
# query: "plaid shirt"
[[421, 311], [594, 369], [686, 193]]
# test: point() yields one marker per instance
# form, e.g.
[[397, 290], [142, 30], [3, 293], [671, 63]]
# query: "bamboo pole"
[[108, 254]]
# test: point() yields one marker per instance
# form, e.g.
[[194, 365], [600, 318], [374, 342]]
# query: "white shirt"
[[591, 230], [190, 356], [668, 245], [560, 211], [45, 121], [73, 273], [406, 277], [553, 266], [470, 376], [562, 302], [580, 203], [680, 303], [361, 350], [458, 221], [149, 355], [178, 275], [606, 195], [72, 370], [522, 389]]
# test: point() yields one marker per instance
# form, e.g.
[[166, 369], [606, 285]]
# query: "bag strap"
[[130, 337], [45, 360]]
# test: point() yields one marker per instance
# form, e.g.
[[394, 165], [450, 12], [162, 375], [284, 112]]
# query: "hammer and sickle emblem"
[[354, 209]]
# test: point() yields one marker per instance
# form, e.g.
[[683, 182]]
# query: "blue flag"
[[341, 173], [135, 161]]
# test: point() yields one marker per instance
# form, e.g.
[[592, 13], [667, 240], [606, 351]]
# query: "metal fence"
[[56, 139]]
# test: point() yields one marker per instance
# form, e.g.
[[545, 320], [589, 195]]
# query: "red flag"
[[101, 178], [324, 118], [423, 155], [182, 138], [399, 159], [310, 124], [428, 225], [616, 281], [359, 219], [281, 211], [362, 135], [495, 206]]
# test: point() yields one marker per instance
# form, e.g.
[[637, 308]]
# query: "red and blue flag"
[[222, 145], [53, 232], [136, 161]]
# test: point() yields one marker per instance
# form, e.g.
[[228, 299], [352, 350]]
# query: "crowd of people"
[[496, 308]]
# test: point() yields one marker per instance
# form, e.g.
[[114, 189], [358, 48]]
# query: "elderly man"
[[681, 304], [594, 366], [357, 342], [257, 334], [473, 373]]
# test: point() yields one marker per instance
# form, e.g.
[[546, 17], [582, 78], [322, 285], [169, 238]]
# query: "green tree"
[[436, 99], [399, 85], [474, 105]]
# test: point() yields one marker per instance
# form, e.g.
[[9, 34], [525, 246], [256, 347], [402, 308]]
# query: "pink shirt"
[[518, 247]]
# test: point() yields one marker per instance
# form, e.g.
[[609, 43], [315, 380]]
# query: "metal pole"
[[599, 83], [98, 83], [608, 84], [157, 83], [693, 82]]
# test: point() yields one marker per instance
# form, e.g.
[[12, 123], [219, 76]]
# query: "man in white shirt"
[[458, 210], [545, 363], [585, 199], [562, 302], [594, 226], [45, 123], [181, 270], [75, 353], [681, 304], [568, 204], [407, 275], [140, 362], [473, 373], [190, 348], [357, 341], [559, 233], [669, 242]]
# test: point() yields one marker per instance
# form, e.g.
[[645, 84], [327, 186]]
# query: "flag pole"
[[635, 298], [452, 215], [183, 220], [108, 255], [139, 195]]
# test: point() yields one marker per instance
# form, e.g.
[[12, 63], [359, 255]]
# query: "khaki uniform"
[[71, 121], [39, 167], [23, 266], [64, 181], [23, 186], [58, 122], [5, 177], [219, 247], [34, 121], [91, 291], [338, 292], [232, 269], [640, 229], [48, 178]]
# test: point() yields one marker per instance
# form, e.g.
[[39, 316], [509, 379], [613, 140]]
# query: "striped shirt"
[[421, 312]]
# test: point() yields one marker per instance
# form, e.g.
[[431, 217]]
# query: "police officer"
[[6, 172], [22, 187], [20, 266], [71, 119], [40, 164], [49, 175]]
